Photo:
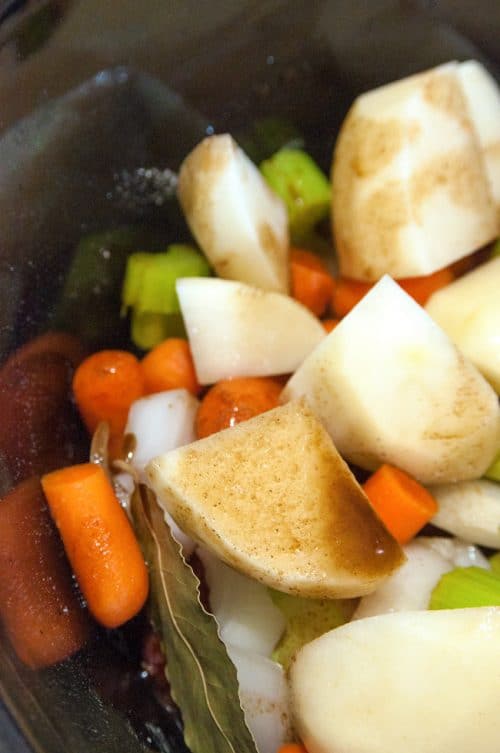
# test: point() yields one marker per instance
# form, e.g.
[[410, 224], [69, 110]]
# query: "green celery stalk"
[[495, 563], [304, 188], [148, 329], [493, 472], [466, 587]]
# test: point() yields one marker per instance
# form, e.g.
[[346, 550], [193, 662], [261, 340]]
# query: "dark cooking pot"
[[91, 91]]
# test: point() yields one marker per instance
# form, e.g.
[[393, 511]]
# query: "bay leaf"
[[202, 678]]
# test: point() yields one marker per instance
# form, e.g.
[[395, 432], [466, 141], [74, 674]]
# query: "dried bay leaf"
[[202, 678]]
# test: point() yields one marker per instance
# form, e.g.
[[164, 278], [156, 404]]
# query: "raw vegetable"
[[266, 135], [159, 423], [389, 385], [105, 385], [493, 472], [458, 553], [296, 178], [202, 678], [232, 401], [329, 324], [406, 681], [240, 224], [402, 504], [169, 366], [312, 284], [149, 289], [292, 748], [411, 193], [307, 619], [99, 542], [495, 563], [468, 311], [273, 498], [471, 510], [38, 604], [237, 330], [347, 292], [466, 587]]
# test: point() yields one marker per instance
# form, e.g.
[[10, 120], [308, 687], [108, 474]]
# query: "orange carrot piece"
[[403, 505], [231, 401], [346, 294], [169, 366], [291, 748], [99, 541], [39, 608], [105, 385], [329, 324], [311, 283], [421, 288]]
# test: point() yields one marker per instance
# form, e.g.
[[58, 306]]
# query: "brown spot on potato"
[[375, 143], [443, 91]]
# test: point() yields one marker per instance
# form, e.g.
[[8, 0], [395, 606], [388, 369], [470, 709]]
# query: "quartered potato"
[[238, 330], [390, 387], [273, 498], [411, 193], [471, 510], [405, 682], [469, 312], [241, 225]]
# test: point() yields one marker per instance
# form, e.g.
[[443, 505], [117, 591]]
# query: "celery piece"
[[296, 178], [149, 284], [495, 251], [495, 563], [266, 136], [466, 587], [493, 472], [307, 619], [148, 329]]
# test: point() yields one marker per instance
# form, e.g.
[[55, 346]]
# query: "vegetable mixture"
[[294, 471]]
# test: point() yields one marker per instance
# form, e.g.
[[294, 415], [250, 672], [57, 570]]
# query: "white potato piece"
[[264, 697], [390, 387], [469, 312], [459, 553], [483, 99], [272, 498], [410, 189], [410, 587], [238, 330], [412, 682], [243, 608], [161, 422], [471, 510], [241, 225]]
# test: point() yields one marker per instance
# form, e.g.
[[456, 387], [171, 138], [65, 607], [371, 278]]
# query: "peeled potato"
[[273, 498], [238, 330], [469, 312], [390, 387], [406, 682], [241, 225], [470, 510], [410, 189]]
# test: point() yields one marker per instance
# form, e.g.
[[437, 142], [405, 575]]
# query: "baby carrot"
[[105, 385], [311, 283], [39, 608], [329, 324], [291, 748], [169, 366], [403, 505], [348, 292], [99, 541], [231, 401]]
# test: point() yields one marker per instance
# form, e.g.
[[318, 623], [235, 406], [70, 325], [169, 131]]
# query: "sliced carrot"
[[99, 542], [329, 324], [346, 294], [421, 288], [105, 385], [291, 748], [231, 401], [311, 283], [169, 366], [403, 505], [39, 608]]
